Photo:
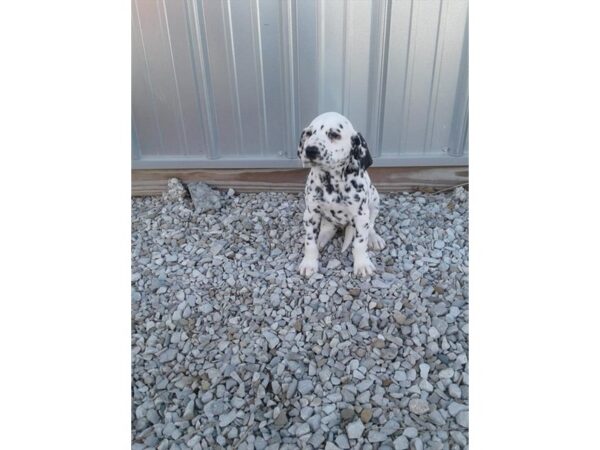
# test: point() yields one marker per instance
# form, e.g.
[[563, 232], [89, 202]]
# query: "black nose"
[[311, 152]]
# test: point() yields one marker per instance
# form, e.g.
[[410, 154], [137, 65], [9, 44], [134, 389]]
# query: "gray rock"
[[168, 355], [410, 432], [333, 264], [341, 441], [306, 412], [454, 408], [390, 427], [459, 438], [364, 385], [355, 429], [446, 373], [302, 429], [424, 370], [215, 408], [203, 197], [347, 413], [314, 422], [317, 439], [436, 418], [401, 443], [305, 387], [272, 340], [416, 444], [188, 413], [454, 391], [400, 375], [175, 190], [418, 406], [152, 416], [281, 420], [462, 418], [376, 436], [226, 419]]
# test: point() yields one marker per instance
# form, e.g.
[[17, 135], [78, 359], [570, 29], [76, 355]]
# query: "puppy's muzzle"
[[311, 152]]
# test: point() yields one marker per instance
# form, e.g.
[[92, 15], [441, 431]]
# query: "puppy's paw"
[[308, 267], [363, 266], [322, 242], [375, 242]]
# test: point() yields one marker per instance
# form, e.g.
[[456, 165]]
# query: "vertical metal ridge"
[[409, 56], [181, 120], [229, 24], [149, 79], [377, 75], [287, 49], [293, 55], [346, 74], [257, 40], [427, 141], [200, 20], [188, 18], [460, 113], [320, 10], [383, 75]]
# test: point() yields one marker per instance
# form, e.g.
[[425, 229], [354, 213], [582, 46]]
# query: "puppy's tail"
[[348, 235]]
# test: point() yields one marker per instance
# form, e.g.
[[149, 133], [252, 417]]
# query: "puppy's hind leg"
[[374, 242], [348, 236], [326, 232]]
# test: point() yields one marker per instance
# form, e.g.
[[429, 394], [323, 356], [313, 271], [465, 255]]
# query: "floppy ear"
[[303, 137], [360, 152]]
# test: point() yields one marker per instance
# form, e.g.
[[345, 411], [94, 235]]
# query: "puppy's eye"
[[309, 133], [333, 135]]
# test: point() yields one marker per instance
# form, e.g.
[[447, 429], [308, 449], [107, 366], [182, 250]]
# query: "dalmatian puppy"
[[338, 192]]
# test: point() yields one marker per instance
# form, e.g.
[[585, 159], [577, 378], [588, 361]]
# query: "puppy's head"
[[331, 141]]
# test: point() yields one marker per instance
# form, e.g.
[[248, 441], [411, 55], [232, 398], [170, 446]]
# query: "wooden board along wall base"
[[386, 179]]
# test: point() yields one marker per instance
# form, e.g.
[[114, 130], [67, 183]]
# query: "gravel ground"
[[231, 348]]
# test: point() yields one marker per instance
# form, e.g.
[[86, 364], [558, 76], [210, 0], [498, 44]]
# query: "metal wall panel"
[[231, 83]]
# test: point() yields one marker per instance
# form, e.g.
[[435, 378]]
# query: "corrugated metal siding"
[[231, 83]]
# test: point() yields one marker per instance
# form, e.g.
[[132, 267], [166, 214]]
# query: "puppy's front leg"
[[362, 263], [310, 263]]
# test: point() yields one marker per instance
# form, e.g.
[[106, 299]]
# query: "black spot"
[[333, 213], [333, 135], [354, 184], [348, 189], [361, 240], [322, 127], [349, 170], [326, 180], [340, 211], [312, 181], [341, 126], [356, 197]]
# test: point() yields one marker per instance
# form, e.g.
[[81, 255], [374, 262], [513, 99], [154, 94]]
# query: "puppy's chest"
[[337, 202]]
